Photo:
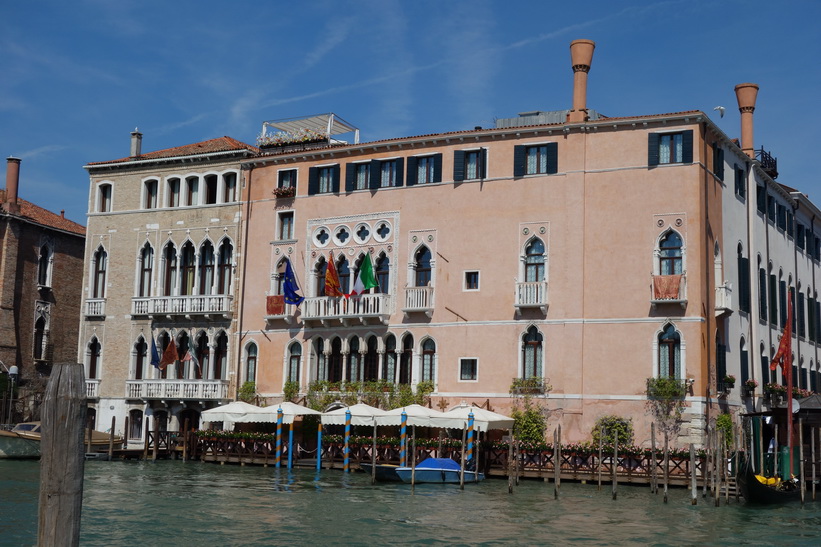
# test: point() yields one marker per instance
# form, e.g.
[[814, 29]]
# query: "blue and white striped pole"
[[279, 438], [470, 437], [291, 445], [319, 446], [346, 452], [403, 440]]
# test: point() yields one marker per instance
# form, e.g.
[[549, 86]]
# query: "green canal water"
[[177, 504]]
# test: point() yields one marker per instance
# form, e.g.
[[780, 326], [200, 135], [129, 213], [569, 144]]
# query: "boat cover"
[[438, 463]]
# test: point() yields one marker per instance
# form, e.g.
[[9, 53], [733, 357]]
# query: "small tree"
[[248, 392], [665, 402], [529, 422], [613, 424], [724, 422]]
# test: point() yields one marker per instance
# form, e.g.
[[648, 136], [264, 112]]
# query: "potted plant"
[[284, 192], [749, 387], [729, 381]]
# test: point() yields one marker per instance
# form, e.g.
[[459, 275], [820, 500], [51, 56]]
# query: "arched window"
[[335, 361], [321, 362], [532, 354], [140, 358], [187, 269], [170, 257], [184, 367], [251, 362], [279, 278], [389, 361], [40, 338], [534, 261], [94, 352], [343, 270], [100, 268], [405, 360], [44, 266], [354, 361], [423, 267], [669, 348], [383, 274], [294, 358], [146, 269], [135, 424], [203, 356], [745, 361], [162, 343], [371, 361], [428, 360], [221, 356], [670, 254], [319, 276], [206, 268], [224, 265]]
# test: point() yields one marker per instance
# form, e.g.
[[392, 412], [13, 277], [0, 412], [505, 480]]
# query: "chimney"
[[136, 143], [746, 94], [581, 55], [12, 183]]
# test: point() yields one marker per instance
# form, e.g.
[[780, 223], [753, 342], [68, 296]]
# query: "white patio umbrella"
[[238, 411], [361, 414], [289, 412], [416, 415], [483, 420]]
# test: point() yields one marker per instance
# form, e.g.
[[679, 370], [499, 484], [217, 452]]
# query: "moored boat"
[[437, 470], [763, 490], [23, 441], [384, 472]]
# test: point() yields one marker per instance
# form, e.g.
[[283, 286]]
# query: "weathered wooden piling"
[[801, 458], [61, 457], [156, 446], [812, 455], [601, 438], [615, 463], [666, 464], [111, 438], [462, 461], [557, 459], [186, 439], [693, 484], [654, 485]]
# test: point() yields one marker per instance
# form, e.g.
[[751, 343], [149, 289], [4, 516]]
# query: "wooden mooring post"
[[601, 439], [801, 458], [693, 484], [145, 442], [510, 462], [666, 464], [812, 455], [156, 446], [615, 463], [186, 437], [557, 461], [61, 457], [654, 485], [111, 438]]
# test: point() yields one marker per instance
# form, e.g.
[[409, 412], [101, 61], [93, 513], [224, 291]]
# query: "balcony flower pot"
[[287, 192]]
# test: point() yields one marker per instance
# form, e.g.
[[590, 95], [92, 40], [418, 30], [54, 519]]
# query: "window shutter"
[[483, 164], [652, 149], [718, 161], [437, 168], [687, 146], [313, 181], [400, 171], [375, 177], [458, 165], [519, 160], [413, 164], [335, 179], [552, 158], [350, 172]]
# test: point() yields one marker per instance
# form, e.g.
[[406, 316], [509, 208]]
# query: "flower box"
[[286, 192]]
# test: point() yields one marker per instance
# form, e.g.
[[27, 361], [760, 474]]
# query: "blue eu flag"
[[155, 355], [290, 287]]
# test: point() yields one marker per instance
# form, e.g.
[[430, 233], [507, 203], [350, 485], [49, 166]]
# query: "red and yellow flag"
[[332, 285]]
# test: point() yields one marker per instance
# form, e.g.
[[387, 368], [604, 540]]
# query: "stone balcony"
[[200, 390], [362, 309], [531, 295], [92, 389], [95, 308], [724, 299], [669, 289], [204, 305], [418, 300]]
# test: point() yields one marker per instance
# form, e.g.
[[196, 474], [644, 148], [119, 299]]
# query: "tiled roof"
[[222, 144], [45, 217]]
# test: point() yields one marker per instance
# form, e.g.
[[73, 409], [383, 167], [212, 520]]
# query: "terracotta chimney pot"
[[746, 95], [12, 184], [581, 56]]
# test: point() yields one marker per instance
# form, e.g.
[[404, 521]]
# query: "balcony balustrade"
[[92, 389], [95, 307], [419, 300], [724, 299], [177, 389], [286, 314], [530, 295], [195, 305], [364, 308], [669, 289]]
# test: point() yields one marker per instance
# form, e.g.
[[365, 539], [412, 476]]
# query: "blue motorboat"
[[441, 470]]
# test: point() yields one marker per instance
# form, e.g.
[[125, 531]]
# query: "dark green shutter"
[[335, 179], [687, 146], [437, 168], [375, 176], [552, 158], [400, 170], [313, 181], [762, 294], [458, 165], [519, 160], [483, 163], [350, 176], [652, 149], [413, 163]]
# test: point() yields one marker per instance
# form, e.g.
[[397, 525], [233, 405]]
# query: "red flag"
[[332, 285], [783, 356], [169, 355]]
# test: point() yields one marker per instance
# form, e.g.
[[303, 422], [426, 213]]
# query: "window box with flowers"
[[727, 383], [290, 139], [284, 192], [748, 388], [774, 393]]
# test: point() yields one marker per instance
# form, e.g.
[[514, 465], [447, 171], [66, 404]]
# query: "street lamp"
[[13, 373]]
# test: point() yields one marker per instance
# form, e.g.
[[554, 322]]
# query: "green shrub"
[[290, 391], [529, 422], [613, 424], [724, 422], [248, 392]]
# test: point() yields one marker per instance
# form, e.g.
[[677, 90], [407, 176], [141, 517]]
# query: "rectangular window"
[[326, 178], [173, 192], [361, 176], [740, 183], [761, 198], [287, 178], [230, 191], [800, 314], [773, 300], [782, 300], [150, 194], [781, 216], [105, 198], [425, 170], [666, 148], [468, 370], [536, 159], [286, 225], [472, 281], [388, 174], [790, 224], [210, 189], [799, 235], [469, 164], [718, 161], [771, 208], [762, 294], [192, 191], [323, 180]]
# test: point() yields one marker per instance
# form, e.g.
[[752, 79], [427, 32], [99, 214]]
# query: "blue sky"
[[78, 77]]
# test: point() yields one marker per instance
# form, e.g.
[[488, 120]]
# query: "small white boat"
[[441, 470], [24, 441]]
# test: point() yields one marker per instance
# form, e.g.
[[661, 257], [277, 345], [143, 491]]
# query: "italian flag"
[[364, 277]]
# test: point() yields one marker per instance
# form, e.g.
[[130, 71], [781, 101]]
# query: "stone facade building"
[[41, 272]]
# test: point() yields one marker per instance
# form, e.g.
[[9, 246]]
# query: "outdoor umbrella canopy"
[[483, 420], [416, 415], [237, 411], [361, 414], [289, 412]]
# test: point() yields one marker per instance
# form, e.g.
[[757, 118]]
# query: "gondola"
[[754, 491]]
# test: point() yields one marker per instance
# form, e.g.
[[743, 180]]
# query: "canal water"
[[191, 503]]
